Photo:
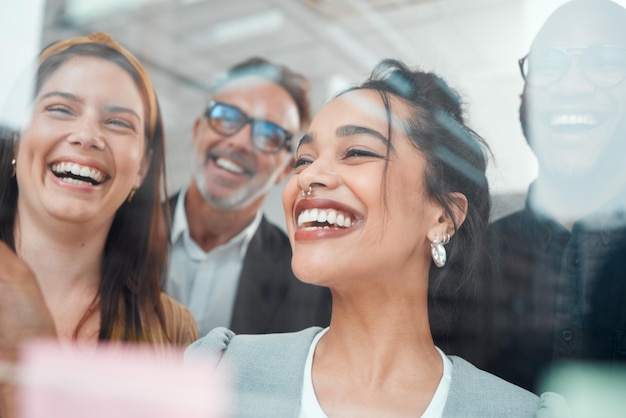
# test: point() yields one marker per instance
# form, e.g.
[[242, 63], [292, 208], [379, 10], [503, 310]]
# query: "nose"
[[321, 173], [87, 135], [242, 139], [573, 82]]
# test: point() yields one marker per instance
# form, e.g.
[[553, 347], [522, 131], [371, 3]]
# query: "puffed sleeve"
[[212, 346], [553, 405]]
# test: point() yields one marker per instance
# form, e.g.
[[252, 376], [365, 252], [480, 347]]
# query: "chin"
[[303, 273], [310, 271], [322, 271], [569, 169], [74, 216], [572, 167]]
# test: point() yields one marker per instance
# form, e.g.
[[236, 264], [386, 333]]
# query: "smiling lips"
[[230, 161], [573, 122], [228, 165], [78, 174], [311, 219]]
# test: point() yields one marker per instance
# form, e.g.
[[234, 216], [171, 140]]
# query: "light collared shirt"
[[205, 282]]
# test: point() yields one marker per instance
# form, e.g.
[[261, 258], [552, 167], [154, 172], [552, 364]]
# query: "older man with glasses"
[[229, 264], [558, 288]]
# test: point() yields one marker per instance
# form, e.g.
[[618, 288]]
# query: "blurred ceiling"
[[184, 43]]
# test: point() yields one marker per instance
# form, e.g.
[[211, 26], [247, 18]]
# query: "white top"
[[310, 407], [205, 282]]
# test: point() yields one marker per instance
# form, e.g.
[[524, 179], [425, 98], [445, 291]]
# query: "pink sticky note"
[[117, 381]]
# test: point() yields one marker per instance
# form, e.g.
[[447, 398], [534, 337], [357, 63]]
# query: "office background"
[[474, 44]]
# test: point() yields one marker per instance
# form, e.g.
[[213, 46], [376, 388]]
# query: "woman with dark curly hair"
[[388, 193]]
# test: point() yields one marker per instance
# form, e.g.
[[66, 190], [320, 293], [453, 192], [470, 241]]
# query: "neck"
[[392, 322], [63, 256], [210, 227], [66, 259], [378, 357], [571, 201]]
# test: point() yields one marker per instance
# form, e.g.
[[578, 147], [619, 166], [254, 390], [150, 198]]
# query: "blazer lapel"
[[263, 284]]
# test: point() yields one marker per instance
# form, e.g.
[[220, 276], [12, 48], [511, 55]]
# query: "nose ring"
[[307, 193]]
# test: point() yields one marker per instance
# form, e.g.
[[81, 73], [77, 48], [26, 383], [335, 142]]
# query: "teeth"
[[573, 119], [74, 181], [78, 170], [228, 165], [328, 216]]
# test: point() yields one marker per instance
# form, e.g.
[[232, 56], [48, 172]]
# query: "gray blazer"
[[269, 370]]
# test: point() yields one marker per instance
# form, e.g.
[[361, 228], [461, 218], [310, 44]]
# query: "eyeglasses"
[[602, 65], [228, 120]]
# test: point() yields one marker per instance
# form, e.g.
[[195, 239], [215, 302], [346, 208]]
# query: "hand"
[[23, 311], [23, 315]]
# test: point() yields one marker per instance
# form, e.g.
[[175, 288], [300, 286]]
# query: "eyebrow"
[[121, 109], [65, 95], [345, 131], [350, 130], [77, 99], [306, 139]]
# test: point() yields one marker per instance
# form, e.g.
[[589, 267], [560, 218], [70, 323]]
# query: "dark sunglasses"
[[602, 65], [228, 120]]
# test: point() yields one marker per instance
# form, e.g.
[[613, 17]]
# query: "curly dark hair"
[[455, 155]]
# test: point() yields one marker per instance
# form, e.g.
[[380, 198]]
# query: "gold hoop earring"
[[13, 163], [131, 194]]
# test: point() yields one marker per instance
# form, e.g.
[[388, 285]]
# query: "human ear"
[[445, 223], [143, 169], [458, 207], [15, 139], [196, 129]]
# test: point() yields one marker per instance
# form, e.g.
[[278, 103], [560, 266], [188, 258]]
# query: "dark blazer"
[[268, 371], [269, 297]]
